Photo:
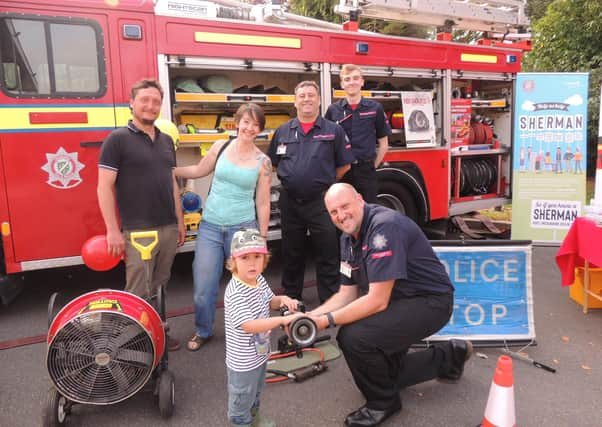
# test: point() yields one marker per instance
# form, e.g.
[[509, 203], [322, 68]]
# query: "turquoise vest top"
[[231, 199]]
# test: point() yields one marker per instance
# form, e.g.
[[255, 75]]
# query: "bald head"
[[338, 189], [346, 207]]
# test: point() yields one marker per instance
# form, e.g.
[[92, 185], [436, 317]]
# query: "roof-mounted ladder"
[[491, 16]]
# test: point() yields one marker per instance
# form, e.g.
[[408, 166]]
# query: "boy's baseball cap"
[[247, 242]]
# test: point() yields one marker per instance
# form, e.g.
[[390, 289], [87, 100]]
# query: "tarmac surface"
[[567, 340]]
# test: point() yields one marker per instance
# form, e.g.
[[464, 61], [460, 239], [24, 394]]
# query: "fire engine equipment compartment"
[[66, 69]]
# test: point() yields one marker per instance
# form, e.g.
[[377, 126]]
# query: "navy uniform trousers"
[[362, 176], [298, 216], [376, 348]]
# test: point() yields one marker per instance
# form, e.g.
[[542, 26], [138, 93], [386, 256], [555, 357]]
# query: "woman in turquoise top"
[[239, 198]]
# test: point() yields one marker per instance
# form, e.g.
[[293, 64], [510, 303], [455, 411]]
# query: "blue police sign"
[[493, 299]]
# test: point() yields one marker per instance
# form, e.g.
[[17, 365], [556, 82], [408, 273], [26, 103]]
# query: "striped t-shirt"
[[244, 302]]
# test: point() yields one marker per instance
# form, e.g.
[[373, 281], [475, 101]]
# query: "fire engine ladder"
[[497, 18]]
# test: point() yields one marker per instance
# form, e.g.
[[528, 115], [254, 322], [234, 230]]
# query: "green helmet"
[[217, 84], [187, 85]]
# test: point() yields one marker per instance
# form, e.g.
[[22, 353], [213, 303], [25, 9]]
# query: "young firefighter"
[[247, 303]]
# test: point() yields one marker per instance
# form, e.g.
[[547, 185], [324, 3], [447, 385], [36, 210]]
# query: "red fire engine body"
[[68, 65]]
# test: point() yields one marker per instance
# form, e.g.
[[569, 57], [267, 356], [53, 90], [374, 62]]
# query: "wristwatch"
[[331, 323]]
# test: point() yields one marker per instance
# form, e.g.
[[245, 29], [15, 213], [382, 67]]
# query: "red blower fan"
[[103, 347]]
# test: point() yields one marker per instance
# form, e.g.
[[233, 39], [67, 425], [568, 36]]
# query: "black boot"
[[367, 417], [461, 350]]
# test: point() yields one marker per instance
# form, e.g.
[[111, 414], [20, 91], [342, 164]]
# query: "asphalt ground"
[[567, 340]]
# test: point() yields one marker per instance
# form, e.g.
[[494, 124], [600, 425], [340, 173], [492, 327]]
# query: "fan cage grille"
[[100, 358]]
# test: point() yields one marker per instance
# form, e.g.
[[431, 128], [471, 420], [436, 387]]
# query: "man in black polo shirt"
[[310, 153], [135, 174], [394, 293], [366, 127]]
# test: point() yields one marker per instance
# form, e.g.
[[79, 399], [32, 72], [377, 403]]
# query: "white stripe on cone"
[[500, 407]]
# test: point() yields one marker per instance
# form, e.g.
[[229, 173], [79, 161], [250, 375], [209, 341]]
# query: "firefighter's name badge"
[[345, 269], [281, 149]]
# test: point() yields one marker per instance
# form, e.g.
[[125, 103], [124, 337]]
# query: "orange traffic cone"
[[500, 405]]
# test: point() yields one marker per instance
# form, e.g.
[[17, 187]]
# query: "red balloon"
[[96, 255]]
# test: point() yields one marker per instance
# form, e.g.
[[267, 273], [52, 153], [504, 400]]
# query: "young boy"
[[247, 305]]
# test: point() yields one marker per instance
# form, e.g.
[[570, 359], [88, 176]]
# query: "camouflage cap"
[[247, 242]]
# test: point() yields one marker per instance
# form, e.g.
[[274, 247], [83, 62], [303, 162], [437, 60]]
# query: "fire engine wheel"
[[57, 409], [397, 197], [10, 284], [167, 396]]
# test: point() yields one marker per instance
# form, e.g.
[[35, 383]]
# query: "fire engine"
[[67, 67]]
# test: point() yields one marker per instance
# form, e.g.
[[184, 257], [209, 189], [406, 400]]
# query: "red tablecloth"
[[583, 242]]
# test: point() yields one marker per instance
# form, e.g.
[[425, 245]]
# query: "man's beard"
[[147, 122]]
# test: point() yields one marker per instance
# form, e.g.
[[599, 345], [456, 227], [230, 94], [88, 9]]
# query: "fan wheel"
[[57, 409], [167, 396]]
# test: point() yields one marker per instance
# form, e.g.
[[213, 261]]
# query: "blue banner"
[[493, 299]]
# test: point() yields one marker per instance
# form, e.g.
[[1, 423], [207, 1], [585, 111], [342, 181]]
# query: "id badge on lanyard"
[[346, 269]]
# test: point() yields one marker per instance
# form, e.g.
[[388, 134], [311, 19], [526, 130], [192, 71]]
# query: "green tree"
[[568, 38], [536, 9], [318, 9]]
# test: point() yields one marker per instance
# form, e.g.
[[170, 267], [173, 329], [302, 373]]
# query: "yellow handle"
[[145, 251]]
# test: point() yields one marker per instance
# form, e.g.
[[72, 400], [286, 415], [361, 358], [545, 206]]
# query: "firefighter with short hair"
[[367, 128], [310, 153], [394, 293]]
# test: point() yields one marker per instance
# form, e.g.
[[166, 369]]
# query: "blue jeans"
[[211, 252], [244, 389]]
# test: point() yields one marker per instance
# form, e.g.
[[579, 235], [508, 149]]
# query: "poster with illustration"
[[549, 154], [419, 119]]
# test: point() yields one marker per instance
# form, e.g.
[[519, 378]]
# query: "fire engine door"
[[57, 107]]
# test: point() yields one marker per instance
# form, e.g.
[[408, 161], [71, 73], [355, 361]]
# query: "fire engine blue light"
[[511, 59], [361, 48]]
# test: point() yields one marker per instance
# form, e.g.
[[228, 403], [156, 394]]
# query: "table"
[[581, 248]]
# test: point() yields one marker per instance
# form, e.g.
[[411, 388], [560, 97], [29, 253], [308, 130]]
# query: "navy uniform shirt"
[[392, 247], [306, 164], [363, 126]]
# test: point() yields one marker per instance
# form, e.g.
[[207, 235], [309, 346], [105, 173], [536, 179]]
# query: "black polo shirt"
[[363, 126], [392, 246], [144, 185], [307, 163]]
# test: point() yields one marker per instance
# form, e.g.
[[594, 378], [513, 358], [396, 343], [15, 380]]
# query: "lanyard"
[[348, 116]]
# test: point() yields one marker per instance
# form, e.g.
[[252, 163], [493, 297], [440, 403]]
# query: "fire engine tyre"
[[57, 409], [397, 197], [167, 395], [11, 285]]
